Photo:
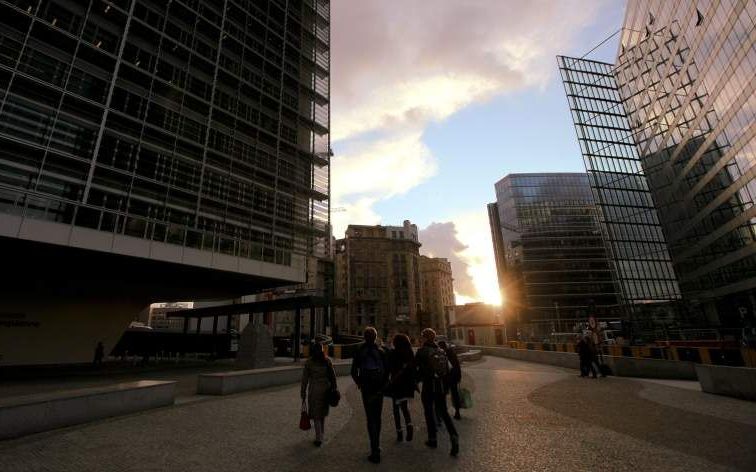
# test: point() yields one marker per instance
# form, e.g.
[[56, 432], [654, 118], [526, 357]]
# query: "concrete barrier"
[[651, 368], [226, 383], [470, 356], [42, 412], [620, 366], [738, 382]]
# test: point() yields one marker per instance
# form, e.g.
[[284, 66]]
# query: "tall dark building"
[[680, 101], [155, 150], [555, 265]]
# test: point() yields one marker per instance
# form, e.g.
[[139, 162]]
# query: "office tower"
[[682, 91], [555, 263], [156, 150]]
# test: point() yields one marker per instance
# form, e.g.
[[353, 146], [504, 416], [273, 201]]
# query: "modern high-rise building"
[[668, 138], [152, 151], [378, 277], [551, 252]]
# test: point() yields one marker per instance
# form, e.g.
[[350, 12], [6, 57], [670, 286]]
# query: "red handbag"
[[304, 419]]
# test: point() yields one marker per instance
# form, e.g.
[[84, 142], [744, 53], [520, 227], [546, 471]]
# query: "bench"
[[35, 413], [225, 383]]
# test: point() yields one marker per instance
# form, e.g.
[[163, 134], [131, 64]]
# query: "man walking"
[[370, 373], [454, 378], [433, 369]]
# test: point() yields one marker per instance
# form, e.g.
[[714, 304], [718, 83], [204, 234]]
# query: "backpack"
[[439, 363]]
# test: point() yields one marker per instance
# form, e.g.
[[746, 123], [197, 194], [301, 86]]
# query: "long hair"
[[403, 347], [317, 352]]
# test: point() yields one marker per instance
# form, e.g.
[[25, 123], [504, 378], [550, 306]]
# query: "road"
[[526, 417]]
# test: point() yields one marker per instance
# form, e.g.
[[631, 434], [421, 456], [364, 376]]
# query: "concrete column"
[[297, 332]]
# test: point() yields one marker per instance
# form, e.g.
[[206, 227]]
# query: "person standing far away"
[[433, 368], [370, 373], [401, 361], [99, 354], [318, 380], [455, 377]]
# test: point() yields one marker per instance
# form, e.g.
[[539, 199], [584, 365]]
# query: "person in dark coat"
[[455, 377], [99, 354], [402, 384], [318, 381], [370, 373], [433, 394], [584, 354]]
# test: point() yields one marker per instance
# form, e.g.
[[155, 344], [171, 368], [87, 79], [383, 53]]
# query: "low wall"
[[36, 413], [738, 382], [225, 383], [620, 366]]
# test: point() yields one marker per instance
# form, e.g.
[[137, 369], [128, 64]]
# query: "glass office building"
[[684, 81], [556, 267], [161, 149], [202, 124]]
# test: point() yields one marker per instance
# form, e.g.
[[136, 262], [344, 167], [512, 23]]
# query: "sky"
[[433, 101]]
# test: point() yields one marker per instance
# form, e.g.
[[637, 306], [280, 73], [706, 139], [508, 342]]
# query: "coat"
[[402, 377], [317, 378]]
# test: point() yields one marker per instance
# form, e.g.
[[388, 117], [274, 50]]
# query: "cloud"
[[466, 242], [402, 63], [440, 240]]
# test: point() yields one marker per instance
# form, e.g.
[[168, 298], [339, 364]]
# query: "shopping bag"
[[304, 419], [466, 397]]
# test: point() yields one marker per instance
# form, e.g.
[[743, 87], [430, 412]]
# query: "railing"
[[29, 204]]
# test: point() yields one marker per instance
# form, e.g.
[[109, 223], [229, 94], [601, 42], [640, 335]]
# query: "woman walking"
[[318, 381], [402, 383]]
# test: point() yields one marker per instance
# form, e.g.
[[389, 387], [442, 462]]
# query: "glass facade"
[[556, 264], [629, 218], [198, 123], [687, 76]]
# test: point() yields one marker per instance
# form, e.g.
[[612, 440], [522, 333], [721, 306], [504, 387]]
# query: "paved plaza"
[[526, 417]]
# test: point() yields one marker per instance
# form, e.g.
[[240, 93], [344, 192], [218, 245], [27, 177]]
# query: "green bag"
[[466, 397]]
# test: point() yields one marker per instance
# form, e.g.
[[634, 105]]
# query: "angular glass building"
[[553, 265], [172, 148], [683, 89]]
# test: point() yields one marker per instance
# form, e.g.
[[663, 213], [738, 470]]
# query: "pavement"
[[526, 417]]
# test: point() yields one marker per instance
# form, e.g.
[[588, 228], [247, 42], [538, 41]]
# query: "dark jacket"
[[455, 374], [401, 376], [375, 378], [425, 370]]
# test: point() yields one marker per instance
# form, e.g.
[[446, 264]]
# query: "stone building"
[[378, 276], [437, 292]]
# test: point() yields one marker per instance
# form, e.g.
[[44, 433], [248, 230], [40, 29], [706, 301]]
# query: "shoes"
[[410, 432], [431, 444], [318, 443], [457, 416], [375, 458], [400, 436], [455, 446]]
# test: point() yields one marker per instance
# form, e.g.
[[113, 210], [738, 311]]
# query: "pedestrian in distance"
[[402, 384], [455, 377], [584, 354], [99, 354], [594, 358], [370, 373], [433, 370], [318, 381]]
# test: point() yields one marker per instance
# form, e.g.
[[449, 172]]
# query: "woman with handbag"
[[402, 383], [319, 388]]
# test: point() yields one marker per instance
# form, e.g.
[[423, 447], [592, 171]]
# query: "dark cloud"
[[440, 240]]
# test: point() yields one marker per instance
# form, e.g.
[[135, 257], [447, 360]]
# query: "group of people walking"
[[391, 373]]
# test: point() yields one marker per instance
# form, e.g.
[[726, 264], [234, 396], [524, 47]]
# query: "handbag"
[[466, 396], [334, 396], [304, 418]]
